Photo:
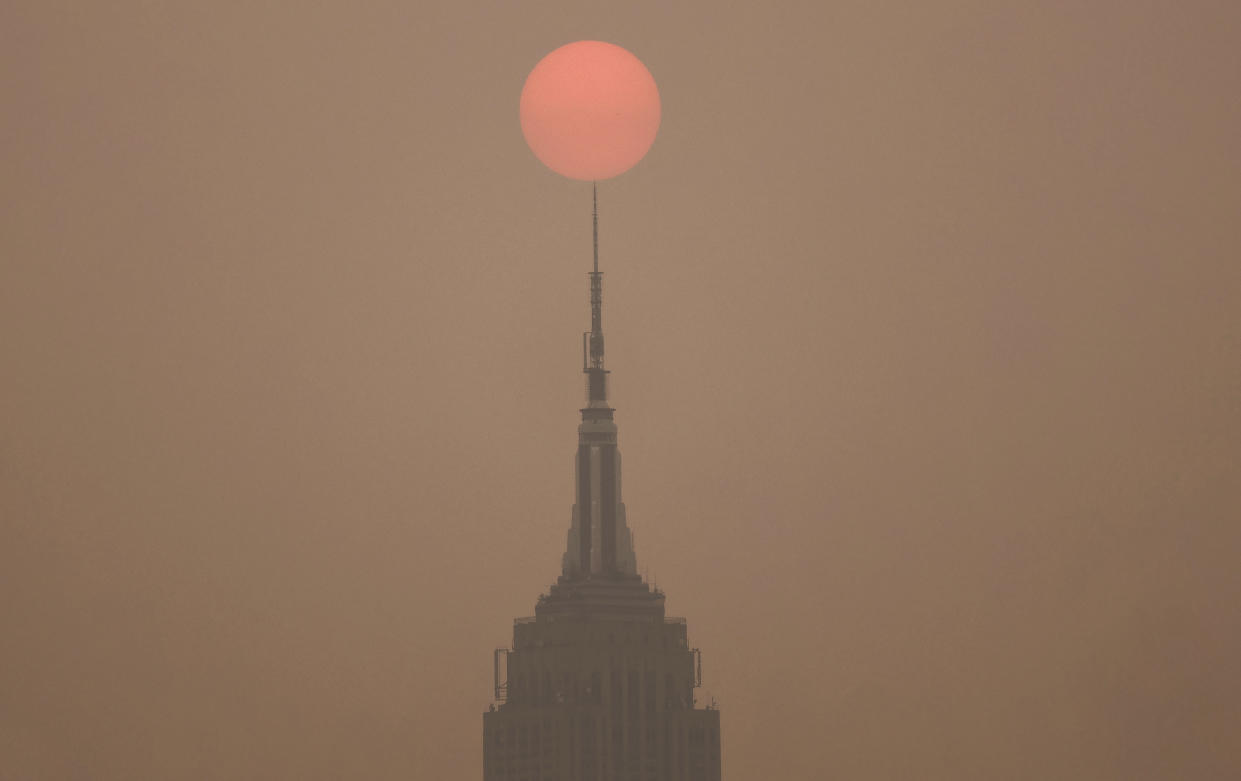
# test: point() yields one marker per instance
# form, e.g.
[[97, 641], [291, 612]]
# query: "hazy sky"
[[925, 328]]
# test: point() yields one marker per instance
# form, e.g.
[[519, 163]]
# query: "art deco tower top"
[[599, 683], [600, 544]]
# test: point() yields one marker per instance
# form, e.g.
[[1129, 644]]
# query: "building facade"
[[599, 683]]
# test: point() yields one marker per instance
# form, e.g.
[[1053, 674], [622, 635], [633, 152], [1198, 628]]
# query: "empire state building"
[[599, 683]]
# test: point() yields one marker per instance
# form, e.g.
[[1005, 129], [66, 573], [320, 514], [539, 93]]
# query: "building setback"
[[599, 683]]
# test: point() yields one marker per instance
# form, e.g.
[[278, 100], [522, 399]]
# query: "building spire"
[[592, 347], [600, 544]]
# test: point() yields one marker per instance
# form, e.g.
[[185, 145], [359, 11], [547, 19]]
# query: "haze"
[[923, 324]]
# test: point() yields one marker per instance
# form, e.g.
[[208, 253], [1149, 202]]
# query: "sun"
[[590, 110]]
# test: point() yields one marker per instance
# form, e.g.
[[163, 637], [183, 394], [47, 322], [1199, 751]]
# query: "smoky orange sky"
[[924, 322]]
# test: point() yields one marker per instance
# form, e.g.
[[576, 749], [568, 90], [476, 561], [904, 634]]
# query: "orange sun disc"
[[590, 110]]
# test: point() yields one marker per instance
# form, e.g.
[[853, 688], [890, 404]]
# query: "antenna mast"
[[592, 342]]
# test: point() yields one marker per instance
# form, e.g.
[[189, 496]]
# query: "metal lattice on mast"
[[592, 358]]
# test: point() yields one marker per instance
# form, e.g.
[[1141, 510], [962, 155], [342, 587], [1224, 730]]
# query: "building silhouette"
[[599, 683]]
